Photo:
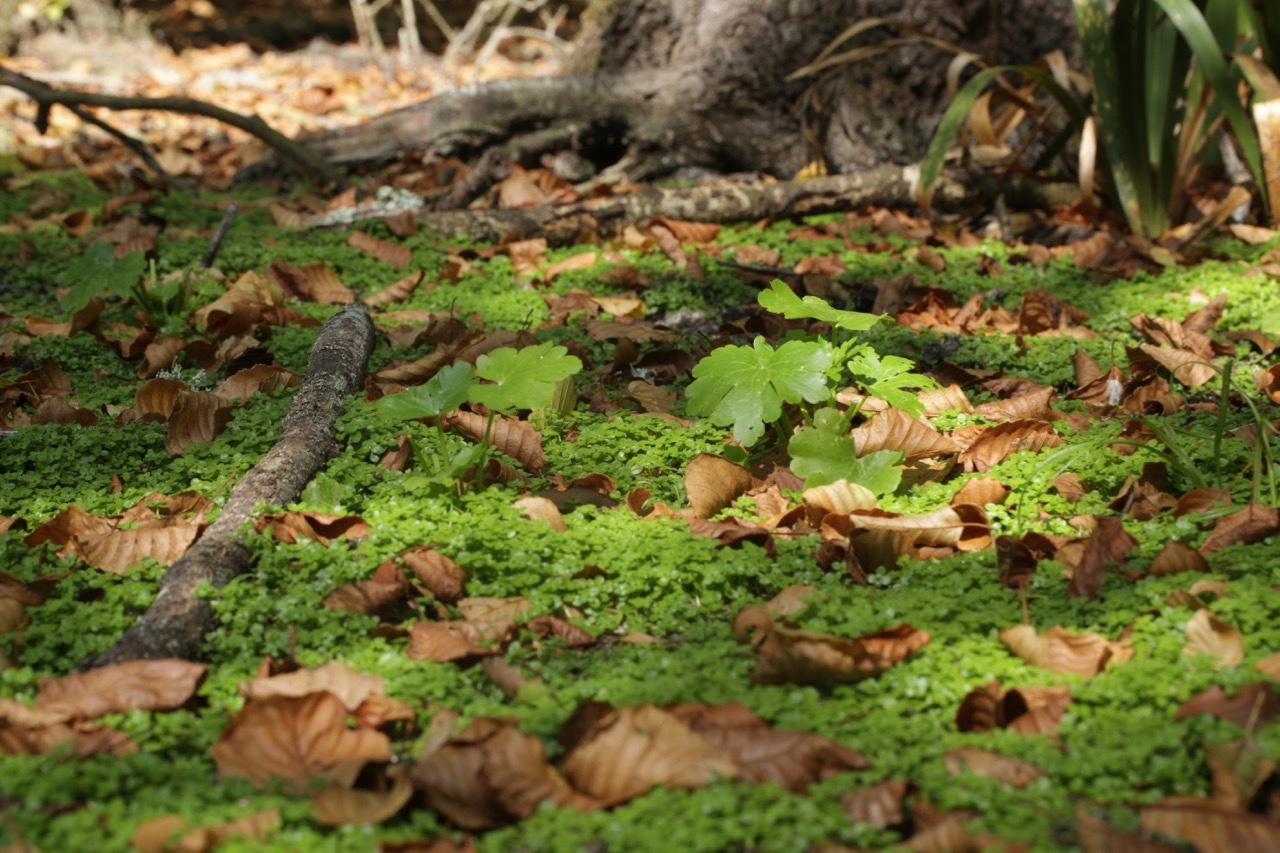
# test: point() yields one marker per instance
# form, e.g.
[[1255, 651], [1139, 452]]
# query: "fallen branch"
[[47, 96], [177, 621]]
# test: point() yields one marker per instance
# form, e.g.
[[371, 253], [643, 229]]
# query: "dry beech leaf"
[[1239, 769], [266, 378], [1187, 367], [786, 655], [1011, 771], [338, 805], [396, 254], [1003, 440], [633, 749], [552, 626], [386, 588], [442, 577], [878, 805], [152, 836], [1062, 651], [1029, 710], [542, 509], [1211, 826], [458, 640], [1177, 556], [841, 497], [713, 483], [489, 775], [297, 739], [981, 491], [1252, 707], [762, 754], [335, 677], [493, 609], [1103, 550], [1035, 404], [651, 397], [511, 436], [292, 526], [1209, 635], [148, 685], [939, 400], [397, 291], [1251, 524], [894, 429], [199, 417], [84, 739], [312, 282], [123, 548], [1098, 836], [1269, 666]]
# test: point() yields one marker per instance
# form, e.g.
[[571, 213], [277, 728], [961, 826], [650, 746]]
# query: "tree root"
[[177, 621], [604, 218]]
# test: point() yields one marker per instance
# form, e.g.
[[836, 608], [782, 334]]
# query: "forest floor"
[[996, 570]]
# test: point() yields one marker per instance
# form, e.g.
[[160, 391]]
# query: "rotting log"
[[177, 621]]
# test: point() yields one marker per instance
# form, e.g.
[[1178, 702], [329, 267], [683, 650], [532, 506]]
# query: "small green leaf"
[[444, 392], [887, 377], [780, 299], [524, 378], [746, 386], [98, 271], [823, 453]]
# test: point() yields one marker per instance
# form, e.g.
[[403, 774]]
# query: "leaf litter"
[[1062, 541]]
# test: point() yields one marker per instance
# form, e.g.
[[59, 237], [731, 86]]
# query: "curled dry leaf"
[[489, 775], [1177, 556], [1251, 524], [197, 418], [1211, 826], [386, 588], [894, 429], [713, 483], [153, 836], [981, 491], [289, 527], [442, 577], [458, 640], [878, 805], [338, 805], [297, 739], [841, 497], [508, 435], [1209, 635], [794, 760], [1098, 836], [1029, 710], [123, 548], [1239, 768], [398, 291], [148, 685], [553, 626], [1104, 549], [1011, 771], [1003, 440], [786, 655], [1253, 706], [349, 686], [542, 509], [1062, 651], [632, 749]]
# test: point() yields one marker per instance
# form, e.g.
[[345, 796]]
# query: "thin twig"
[[47, 96]]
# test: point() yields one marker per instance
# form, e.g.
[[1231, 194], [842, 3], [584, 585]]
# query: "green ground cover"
[[1117, 748]]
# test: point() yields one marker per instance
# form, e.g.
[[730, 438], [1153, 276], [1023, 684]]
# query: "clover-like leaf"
[[746, 386], [442, 393], [522, 379], [780, 299], [888, 377], [98, 270]]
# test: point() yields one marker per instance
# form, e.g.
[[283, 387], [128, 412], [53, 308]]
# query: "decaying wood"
[[591, 219], [176, 623]]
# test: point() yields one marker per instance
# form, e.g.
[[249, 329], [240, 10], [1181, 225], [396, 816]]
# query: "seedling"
[[748, 387], [503, 381]]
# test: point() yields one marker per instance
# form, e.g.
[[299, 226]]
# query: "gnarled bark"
[[706, 83]]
